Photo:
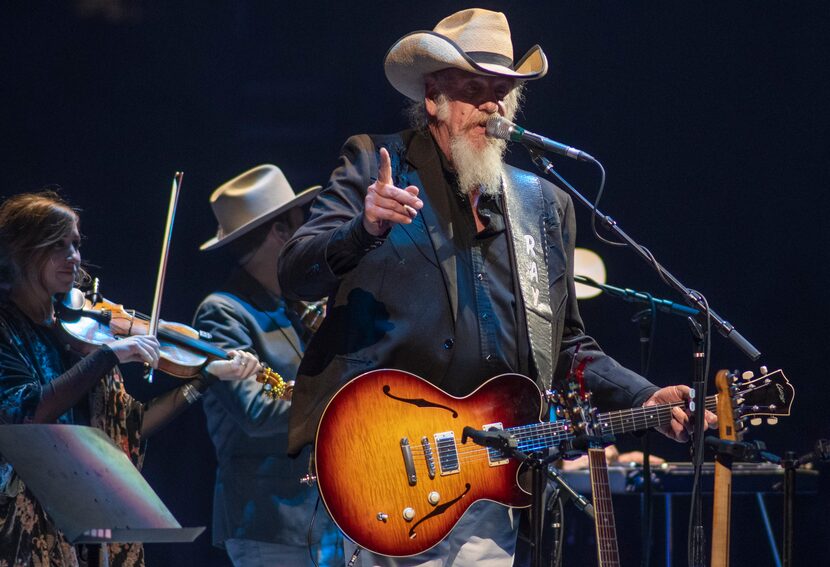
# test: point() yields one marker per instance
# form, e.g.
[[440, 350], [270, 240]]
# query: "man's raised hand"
[[386, 204]]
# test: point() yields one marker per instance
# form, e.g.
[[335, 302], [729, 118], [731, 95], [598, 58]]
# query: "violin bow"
[[162, 272]]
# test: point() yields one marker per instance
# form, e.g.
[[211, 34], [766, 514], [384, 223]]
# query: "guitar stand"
[[820, 452], [755, 451]]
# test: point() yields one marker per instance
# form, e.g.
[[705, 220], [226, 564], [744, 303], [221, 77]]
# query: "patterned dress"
[[30, 358]]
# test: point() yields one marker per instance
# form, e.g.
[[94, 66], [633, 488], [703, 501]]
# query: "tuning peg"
[[764, 370], [748, 375], [772, 420], [755, 421]]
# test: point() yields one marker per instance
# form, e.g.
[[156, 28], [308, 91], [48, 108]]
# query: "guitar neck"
[[540, 436], [606, 529], [638, 419], [722, 497]]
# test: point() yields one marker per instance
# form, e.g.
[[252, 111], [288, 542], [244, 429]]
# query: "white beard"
[[478, 168], [475, 168]]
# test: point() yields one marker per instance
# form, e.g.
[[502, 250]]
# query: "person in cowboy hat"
[[262, 515], [440, 260]]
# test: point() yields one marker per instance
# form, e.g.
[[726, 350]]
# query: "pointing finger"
[[385, 168]]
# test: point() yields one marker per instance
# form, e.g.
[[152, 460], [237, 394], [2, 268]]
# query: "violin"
[[89, 321]]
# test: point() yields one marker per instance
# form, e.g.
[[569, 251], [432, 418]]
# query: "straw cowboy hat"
[[473, 40], [250, 200]]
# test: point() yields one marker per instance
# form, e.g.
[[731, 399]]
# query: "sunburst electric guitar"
[[395, 477]]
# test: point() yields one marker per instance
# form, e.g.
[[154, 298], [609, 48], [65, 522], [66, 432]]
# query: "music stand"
[[88, 485]]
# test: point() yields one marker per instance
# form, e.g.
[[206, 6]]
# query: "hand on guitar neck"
[[680, 426]]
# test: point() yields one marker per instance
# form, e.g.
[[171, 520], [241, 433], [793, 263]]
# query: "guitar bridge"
[[408, 462], [428, 456]]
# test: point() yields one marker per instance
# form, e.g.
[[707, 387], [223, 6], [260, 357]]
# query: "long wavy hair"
[[31, 224]]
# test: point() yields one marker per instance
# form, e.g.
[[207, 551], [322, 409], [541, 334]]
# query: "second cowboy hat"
[[473, 40], [251, 199]]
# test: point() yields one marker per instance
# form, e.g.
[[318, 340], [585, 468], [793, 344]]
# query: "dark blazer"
[[257, 494], [392, 300]]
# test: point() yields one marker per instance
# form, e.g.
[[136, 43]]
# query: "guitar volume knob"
[[408, 514]]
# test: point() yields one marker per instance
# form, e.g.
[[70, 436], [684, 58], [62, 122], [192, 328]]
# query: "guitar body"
[[391, 468]]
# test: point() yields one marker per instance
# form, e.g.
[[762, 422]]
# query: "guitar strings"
[[539, 436]]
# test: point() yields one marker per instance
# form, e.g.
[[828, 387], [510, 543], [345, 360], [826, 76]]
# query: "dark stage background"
[[710, 119]]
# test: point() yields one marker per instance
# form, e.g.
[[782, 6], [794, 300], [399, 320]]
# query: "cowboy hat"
[[474, 40], [251, 199]]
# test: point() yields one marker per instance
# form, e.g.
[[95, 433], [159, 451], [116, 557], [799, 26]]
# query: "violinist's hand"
[[386, 204], [137, 348], [240, 366], [680, 425]]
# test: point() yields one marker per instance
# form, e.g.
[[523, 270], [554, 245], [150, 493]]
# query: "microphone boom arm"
[[692, 298]]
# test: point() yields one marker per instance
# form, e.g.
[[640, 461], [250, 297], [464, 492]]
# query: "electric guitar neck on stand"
[[722, 500]]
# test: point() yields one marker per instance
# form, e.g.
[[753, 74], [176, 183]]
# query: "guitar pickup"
[[428, 456], [495, 456], [447, 452], [408, 462]]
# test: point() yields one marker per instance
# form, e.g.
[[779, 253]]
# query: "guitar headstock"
[[574, 404], [273, 384], [726, 411], [766, 397]]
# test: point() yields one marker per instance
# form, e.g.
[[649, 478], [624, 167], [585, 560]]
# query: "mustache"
[[477, 119]]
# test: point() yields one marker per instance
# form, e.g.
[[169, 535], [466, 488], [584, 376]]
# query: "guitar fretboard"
[[606, 529], [540, 436]]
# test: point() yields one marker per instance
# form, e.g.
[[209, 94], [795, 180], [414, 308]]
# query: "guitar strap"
[[525, 221]]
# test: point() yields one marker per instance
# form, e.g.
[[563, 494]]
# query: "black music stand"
[[88, 486]]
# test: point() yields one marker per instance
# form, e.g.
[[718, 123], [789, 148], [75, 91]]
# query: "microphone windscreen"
[[498, 127]]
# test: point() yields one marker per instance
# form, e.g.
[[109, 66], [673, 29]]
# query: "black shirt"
[[489, 335]]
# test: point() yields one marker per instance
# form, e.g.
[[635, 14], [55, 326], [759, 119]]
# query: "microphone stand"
[[508, 445], [633, 296], [710, 318], [821, 452], [691, 297], [754, 452], [646, 321]]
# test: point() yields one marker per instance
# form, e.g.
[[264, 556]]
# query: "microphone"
[[495, 438], [503, 129]]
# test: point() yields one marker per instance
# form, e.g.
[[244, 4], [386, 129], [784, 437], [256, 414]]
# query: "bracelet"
[[190, 393]]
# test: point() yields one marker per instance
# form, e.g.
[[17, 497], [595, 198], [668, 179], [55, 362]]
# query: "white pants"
[[484, 537]]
